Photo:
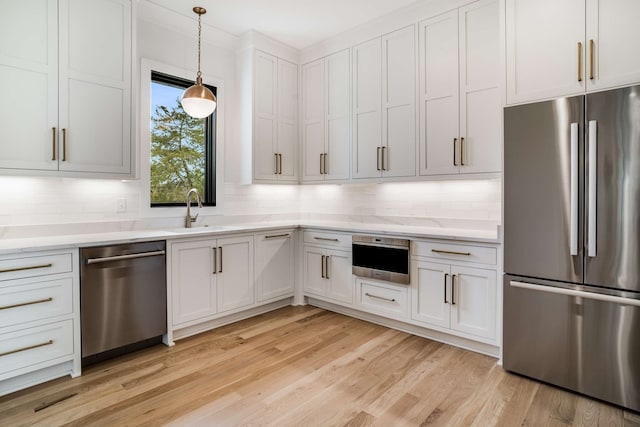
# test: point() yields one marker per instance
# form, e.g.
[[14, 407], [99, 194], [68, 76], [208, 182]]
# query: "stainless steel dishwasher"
[[123, 298]]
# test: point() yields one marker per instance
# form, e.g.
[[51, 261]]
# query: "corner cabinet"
[[275, 265], [565, 48], [275, 119], [384, 97], [460, 104], [327, 267], [66, 86], [326, 118]]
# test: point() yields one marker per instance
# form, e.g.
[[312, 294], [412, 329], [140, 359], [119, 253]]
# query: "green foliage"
[[177, 154]]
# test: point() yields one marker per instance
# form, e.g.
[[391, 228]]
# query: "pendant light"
[[198, 101]]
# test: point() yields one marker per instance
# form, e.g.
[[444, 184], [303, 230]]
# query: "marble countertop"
[[28, 244]]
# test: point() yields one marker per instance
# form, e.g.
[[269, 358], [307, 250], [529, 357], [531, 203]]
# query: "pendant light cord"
[[199, 34]]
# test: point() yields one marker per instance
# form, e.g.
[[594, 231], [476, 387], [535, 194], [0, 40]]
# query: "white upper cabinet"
[[560, 48], [612, 43], [275, 124], [459, 91], [384, 135], [65, 73], [326, 118]]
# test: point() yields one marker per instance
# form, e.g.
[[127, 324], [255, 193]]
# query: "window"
[[183, 149]]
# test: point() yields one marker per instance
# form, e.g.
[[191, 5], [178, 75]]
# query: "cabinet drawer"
[[327, 239], [18, 268], [456, 252], [35, 301], [384, 299], [32, 346]]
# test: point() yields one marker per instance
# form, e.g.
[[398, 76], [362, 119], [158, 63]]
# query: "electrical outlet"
[[121, 205]]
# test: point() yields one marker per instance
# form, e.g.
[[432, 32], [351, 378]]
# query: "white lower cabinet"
[[210, 276], [386, 299], [327, 274], [275, 269], [458, 298], [39, 318]]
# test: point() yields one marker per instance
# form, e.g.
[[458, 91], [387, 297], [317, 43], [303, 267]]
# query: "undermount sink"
[[200, 229]]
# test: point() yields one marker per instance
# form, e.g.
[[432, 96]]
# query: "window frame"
[[210, 172]]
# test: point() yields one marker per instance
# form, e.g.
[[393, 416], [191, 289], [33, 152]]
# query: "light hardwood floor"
[[304, 366]]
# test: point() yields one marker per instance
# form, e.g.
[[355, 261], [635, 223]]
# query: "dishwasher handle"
[[122, 257]]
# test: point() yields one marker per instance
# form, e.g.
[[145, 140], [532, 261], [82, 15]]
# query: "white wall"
[[51, 200]]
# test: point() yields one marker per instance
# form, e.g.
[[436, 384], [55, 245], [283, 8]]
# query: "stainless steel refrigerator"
[[572, 243]]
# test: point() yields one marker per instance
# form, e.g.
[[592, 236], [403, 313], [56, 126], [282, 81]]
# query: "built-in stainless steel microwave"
[[381, 258]]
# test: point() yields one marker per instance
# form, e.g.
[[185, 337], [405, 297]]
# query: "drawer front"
[[456, 252], [35, 301], [327, 239], [18, 268], [384, 299], [27, 347]]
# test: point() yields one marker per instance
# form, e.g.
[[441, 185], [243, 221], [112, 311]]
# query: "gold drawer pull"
[[382, 298], [22, 304], [276, 236], [326, 239], [440, 251], [33, 267], [31, 347]]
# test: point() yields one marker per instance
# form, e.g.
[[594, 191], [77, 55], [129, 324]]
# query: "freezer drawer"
[[576, 342]]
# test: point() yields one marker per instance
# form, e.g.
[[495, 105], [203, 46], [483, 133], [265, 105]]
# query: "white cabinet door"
[[314, 280], [264, 116], [275, 269], [545, 48], [193, 280], [439, 95], [313, 119], [430, 297], [473, 301], [235, 278], [338, 112], [612, 43], [399, 103], [480, 104], [338, 274], [287, 137], [95, 85], [367, 115], [29, 84]]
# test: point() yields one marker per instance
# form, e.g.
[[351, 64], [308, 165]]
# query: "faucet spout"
[[191, 219]]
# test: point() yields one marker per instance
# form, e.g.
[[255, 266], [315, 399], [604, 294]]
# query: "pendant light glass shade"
[[198, 101]]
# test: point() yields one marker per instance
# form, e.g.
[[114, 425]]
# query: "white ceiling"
[[298, 23]]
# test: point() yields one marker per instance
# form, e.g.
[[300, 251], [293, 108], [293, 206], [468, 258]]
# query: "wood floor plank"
[[304, 366]]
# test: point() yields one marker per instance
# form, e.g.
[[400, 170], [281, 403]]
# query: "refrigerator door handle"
[[573, 238], [574, 293], [593, 187]]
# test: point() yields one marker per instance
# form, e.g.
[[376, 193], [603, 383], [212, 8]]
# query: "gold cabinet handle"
[[382, 298], [31, 347], [220, 270], [326, 239], [22, 304], [215, 260], [445, 288], [275, 163], [440, 251], [592, 49], [64, 144], [384, 166], [453, 289], [378, 158], [279, 163], [324, 163], [55, 144], [454, 151], [321, 163], [277, 236], [322, 266], [461, 151], [326, 266], [31, 267], [579, 61]]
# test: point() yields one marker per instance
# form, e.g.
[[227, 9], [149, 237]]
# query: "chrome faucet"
[[190, 219]]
